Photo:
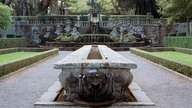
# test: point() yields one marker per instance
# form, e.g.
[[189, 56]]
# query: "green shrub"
[[171, 64], [181, 33], [6, 68], [104, 18], [18, 36], [5, 16], [172, 34], [12, 42], [178, 41], [183, 50], [33, 49], [10, 35], [1, 35], [154, 49], [8, 50], [84, 18], [62, 37]]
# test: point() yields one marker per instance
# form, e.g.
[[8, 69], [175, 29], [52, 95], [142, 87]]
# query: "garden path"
[[165, 88]]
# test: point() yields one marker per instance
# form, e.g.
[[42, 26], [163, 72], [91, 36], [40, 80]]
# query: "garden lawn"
[[15, 55], [178, 56]]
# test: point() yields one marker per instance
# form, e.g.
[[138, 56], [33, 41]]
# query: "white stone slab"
[[56, 87]]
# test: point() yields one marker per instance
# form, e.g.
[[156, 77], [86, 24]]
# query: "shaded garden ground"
[[165, 88]]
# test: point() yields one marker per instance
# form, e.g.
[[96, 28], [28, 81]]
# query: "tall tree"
[[176, 10], [142, 7], [5, 16]]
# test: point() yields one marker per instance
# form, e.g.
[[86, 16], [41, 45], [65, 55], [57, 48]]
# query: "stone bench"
[[95, 73]]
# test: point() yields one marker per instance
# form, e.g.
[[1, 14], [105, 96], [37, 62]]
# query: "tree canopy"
[[5, 16], [36, 7], [176, 10]]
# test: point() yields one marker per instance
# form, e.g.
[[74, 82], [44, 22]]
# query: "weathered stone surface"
[[55, 88], [95, 73], [110, 58]]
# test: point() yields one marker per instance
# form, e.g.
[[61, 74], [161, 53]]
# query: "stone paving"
[[165, 88]]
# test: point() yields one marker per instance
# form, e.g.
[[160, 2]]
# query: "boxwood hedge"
[[12, 42], [178, 41], [8, 67], [180, 67]]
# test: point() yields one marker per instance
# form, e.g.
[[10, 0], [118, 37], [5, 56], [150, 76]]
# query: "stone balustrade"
[[151, 27]]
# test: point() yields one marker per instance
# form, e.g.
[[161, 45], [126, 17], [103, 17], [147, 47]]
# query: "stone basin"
[[95, 74]]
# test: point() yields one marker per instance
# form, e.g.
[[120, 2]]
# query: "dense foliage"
[[176, 10], [5, 16], [80, 6], [36, 7], [178, 41]]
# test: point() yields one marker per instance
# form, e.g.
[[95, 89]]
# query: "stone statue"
[[110, 24], [68, 28], [75, 33], [47, 33], [58, 30], [114, 34], [35, 38], [78, 23]]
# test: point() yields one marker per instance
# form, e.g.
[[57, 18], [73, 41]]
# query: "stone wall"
[[182, 27], [154, 29]]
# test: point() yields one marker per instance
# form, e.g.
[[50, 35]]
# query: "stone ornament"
[[95, 73]]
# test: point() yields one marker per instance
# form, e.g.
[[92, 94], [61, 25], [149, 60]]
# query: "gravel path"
[[165, 88]]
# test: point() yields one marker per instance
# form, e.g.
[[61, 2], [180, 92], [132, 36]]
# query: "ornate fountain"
[[95, 74]]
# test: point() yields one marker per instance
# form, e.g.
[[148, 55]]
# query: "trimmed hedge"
[[10, 35], [14, 36], [183, 50], [33, 49], [172, 34], [8, 50], [123, 17], [178, 41], [12, 42], [181, 34], [180, 67], [8, 67], [154, 49]]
